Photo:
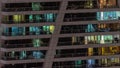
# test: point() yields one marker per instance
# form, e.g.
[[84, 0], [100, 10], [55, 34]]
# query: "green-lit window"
[[78, 63], [38, 18], [36, 6], [30, 18], [23, 55], [37, 42], [48, 29]]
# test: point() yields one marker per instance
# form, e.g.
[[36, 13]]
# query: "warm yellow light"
[[52, 28]]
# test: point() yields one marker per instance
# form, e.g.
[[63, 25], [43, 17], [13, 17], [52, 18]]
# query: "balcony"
[[33, 18], [90, 28], [29, 9], [74, 5], [83, 55], [88, 66], [69, 43], [23, 55], [29, 21], [87, 52], [86, 40], [92, 4], [26, 43], [23, 45], [26, 65], [74, 19], [27, 33], [30, 6], [90, 63], [24, 31], [80, 19], [92, 16]]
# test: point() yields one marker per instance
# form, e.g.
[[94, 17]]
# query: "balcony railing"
[[80, 19], [85, 54], [29, 21], [27, 33], [18, 58], [23, 45], [94, 18], [23, 66], [89, 31], [28, 56], [87, 65], [30, 9], [82, 42], [75, 7]]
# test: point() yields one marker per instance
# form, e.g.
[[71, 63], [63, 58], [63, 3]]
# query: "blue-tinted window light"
[[112, 15], [14, 31], [90, 63], [90, 28], [6, 31], [49, 17], [34, 30], [37, 54]]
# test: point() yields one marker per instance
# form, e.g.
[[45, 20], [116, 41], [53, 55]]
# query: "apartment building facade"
[[60, 33]]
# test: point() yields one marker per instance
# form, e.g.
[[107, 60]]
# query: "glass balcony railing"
[[75, 7], [86, 65], [92, 4], [27, 33], [80, 19], [23, 45], [30, 9], [89, 30], [29, 21], [83, 42], [24, 65], [87, 19], [85, 54], [19, 58], [24, 55]]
